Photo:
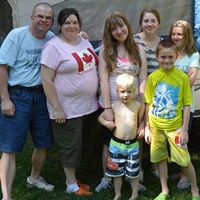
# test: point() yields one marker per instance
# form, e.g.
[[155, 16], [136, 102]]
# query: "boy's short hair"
[[166, 43], [125, 79]]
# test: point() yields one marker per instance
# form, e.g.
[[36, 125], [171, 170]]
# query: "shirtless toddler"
[[124, 148]]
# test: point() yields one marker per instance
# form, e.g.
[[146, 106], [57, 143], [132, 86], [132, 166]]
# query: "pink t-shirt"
[[76, 80]]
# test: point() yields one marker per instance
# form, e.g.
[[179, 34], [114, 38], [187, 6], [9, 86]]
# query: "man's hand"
[[8, 108]]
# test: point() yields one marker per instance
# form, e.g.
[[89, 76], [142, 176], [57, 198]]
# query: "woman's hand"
[[140, 132], [47, 77], [108, 115], [192, 75], [105, 87], [110, 125], [142, 77], [59, 117], [141, 114], [190, 72]]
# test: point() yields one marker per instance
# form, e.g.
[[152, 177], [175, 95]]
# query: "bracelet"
[[108, 108]]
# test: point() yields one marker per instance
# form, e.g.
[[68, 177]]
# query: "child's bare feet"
[[117, 197], [195, 194], [133, 198], [195, 191]]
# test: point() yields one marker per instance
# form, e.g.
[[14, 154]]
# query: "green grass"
[[90, 172]]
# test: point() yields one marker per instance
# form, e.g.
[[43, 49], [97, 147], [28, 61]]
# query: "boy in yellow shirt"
[[167, 90]]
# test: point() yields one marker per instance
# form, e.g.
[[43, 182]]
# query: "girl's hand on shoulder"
[[84, 35]]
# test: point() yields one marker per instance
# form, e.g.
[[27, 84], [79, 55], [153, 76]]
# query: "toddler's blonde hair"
[[125, 79]]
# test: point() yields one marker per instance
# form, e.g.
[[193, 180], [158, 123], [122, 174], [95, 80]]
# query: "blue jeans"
[[30, 114]]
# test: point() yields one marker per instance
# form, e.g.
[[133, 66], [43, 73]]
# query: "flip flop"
[[182, 188], [195, 198]]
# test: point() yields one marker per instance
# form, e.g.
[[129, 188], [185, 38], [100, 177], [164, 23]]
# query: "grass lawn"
[[91, 173]]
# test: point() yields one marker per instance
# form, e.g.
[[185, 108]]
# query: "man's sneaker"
[[81, 191], [105, 183], [84, 186], [40, 183]]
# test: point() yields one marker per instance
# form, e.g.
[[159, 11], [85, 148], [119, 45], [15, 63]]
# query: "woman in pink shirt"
[[69, 78]]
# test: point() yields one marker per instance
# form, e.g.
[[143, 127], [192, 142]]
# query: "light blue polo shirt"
[[21, 52]]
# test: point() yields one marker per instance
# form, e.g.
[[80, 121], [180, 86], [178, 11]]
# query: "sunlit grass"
[[91, 173]]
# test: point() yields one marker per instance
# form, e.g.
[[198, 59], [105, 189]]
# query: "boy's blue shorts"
[[123, 158], [30, 114]]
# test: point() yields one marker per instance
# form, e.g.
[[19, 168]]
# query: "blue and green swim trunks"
[[123, 158]]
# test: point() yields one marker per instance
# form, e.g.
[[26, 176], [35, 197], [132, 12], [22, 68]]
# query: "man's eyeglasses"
[[41, 17]]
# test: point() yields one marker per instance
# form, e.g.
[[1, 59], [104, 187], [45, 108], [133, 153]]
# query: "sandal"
[[180, 185]]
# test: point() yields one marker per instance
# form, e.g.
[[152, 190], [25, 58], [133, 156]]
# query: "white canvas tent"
[[94, 12]]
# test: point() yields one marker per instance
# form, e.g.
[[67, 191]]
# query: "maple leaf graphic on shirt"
[[87, 59]]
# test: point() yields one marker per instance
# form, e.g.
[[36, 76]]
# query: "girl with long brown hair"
[[119, 54]]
